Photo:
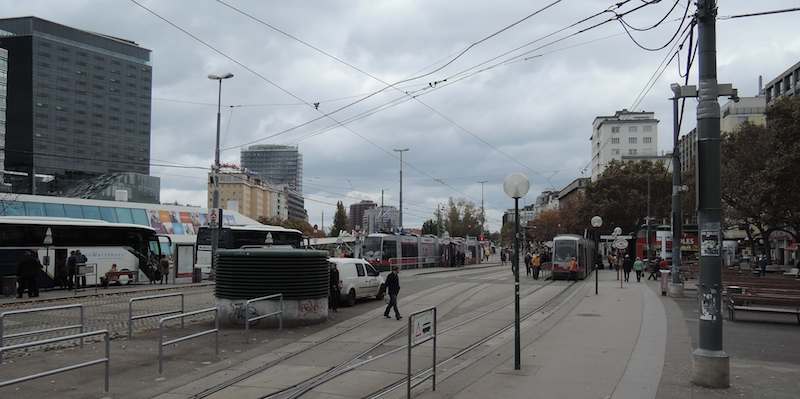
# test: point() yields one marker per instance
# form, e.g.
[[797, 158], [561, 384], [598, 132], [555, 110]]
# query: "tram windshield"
[[372, 245], [565, 250]]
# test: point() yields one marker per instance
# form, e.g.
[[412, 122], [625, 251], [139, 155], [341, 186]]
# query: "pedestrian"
[[762, 263], [393, 288], [638, 266], [627, 265], [335, 289], [28, 269], [503, 257], [164, 265], [653, 266], [528, 260], [72, 267], [80, 261], [572, 266], [536, 265]]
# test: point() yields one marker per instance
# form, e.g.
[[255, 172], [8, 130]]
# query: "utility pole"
[[711, 363], [483, 210], [380, 214], [401, 151], [215, 178], [647, 220], [323, 222]]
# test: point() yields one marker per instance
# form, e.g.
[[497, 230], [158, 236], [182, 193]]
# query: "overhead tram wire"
[[271, 83], [674, 5], [757, 14], [437, 84], [643, 47]]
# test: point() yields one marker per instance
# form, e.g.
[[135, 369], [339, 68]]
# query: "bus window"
[[91, 212], [54, 210], [12, 208], [124, 215], [108, 214], [140, 217], [73, 211], [34, 209]]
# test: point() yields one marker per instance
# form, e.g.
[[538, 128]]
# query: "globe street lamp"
[[516, 185]]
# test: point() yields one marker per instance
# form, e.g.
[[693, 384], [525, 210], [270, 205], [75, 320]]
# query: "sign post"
[[421, 329]]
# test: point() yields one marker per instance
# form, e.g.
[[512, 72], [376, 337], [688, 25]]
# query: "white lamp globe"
[[516, 185], [597, 221]]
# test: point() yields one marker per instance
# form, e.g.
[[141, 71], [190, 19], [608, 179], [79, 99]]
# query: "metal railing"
[[278, 313], [162, 344], [3, 316], [131, 317], [81, 336]]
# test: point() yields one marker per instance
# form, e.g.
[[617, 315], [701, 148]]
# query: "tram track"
[[300, 389], [241, 377]]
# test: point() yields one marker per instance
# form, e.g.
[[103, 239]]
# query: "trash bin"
[[664, 281], [9, 286], [197, 275]]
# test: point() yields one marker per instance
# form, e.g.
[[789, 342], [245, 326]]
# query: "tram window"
[[124, 215], [91, 212], [54, 210], [389, 249], [108, 214], [564, 251], [12, 208], [73, 211], [34, 209], [140, 217]]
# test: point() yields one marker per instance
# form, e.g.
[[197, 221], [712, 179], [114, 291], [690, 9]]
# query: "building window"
[[647, 128], [615, 151], [647, 140], [615, 129], [632, 140], [632, 129], [615, 140], [632, 151]]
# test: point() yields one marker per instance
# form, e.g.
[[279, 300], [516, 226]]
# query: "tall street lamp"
[[215, 178], [516, 185], [401, 151], [597, 222]]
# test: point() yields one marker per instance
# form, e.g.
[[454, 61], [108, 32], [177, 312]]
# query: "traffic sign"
[[422, 326], [620, 244], [612, 237]]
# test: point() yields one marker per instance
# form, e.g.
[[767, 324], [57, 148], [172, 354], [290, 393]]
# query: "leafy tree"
[[339, 220], [619, 195], [462, 219], [430, 227]]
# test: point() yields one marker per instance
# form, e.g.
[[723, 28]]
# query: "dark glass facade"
[[277, 164], [79, 103]]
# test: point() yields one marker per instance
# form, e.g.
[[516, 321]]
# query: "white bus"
[[234, 237], [133, 248]]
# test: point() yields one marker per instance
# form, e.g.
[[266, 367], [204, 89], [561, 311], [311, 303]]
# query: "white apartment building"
[[625, 133]]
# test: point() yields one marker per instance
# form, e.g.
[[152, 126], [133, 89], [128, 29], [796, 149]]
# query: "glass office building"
[[79, 103], [277, 164], [3, 91]]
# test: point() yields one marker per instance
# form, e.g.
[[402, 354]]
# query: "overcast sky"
[[537, 112]]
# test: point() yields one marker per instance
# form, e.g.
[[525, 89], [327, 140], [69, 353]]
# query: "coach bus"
[[234, 237], [133, 248]]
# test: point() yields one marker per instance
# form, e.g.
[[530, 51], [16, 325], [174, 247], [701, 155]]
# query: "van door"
[[364, 288], [374, 279]]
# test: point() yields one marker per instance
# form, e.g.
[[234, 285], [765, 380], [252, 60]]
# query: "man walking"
[[72, 267], [164, 265], [335, 290], [536, 266], [528, 259], [392, 288], [80, 261]]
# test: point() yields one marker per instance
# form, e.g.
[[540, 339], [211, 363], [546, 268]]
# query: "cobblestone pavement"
[[108, 312]]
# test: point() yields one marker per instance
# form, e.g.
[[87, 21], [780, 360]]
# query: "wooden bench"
[[763, 303]]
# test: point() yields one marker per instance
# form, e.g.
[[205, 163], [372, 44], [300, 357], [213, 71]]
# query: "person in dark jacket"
[[392, 288], [627, 265], [27, 271], [72, 269], [502, 256], [335, 289]]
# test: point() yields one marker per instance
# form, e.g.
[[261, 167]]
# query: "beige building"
[[747, 109], [247, 194], [626, 133]]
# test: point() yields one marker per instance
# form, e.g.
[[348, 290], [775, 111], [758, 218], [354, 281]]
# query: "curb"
[[456, 269]]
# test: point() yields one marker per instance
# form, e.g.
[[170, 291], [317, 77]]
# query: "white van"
[[358, 279]]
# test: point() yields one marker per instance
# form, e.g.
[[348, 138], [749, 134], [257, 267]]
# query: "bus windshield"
[[564, 250]]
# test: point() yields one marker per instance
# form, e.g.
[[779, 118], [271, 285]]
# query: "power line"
[[756, 14], [677, 31]]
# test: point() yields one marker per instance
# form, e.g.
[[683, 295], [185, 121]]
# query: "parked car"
[[358, 279]]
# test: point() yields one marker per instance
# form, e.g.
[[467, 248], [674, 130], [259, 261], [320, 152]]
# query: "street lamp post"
[[401, 151], [516, 185], [215, 178], [597, 222]]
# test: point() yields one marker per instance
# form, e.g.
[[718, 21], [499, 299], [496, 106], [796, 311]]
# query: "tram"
[[568, 246], [132, 248], [384, 250]]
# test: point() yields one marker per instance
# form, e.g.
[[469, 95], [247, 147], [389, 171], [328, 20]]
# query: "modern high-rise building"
[[3, 91], [356, 215], [78, 105], [626, 133], [277, 164]]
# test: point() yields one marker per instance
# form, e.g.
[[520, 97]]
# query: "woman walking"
[[627, 265], [638, 266]]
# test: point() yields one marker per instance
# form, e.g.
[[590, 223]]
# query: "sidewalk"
[[609, 345], [55, 295]]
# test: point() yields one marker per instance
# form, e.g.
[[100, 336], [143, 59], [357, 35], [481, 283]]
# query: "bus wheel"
[[351, 297]]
